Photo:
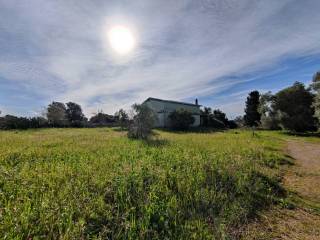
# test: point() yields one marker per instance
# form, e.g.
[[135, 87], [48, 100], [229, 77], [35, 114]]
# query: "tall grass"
[[97, 184]]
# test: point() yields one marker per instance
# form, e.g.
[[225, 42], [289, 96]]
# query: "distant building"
[[163, 108]]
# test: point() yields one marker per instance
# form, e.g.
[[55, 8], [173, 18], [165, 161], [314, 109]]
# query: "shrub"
[[12, 122], [38, 122], [102, 119], [122, 118], [143, 121], [271, 122], [181, 119], [232, 124], [215, 123]]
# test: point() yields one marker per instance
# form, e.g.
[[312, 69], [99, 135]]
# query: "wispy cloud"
[[185, 49]]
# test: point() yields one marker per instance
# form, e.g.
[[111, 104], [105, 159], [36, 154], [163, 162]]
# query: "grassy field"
[[97, 184]]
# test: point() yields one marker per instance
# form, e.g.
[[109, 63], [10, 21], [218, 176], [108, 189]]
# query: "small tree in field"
[[143, 121], [181, 119]]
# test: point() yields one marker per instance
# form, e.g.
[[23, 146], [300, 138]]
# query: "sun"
[[121, 39]]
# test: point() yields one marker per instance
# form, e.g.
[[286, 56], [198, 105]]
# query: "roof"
[[170, 101]]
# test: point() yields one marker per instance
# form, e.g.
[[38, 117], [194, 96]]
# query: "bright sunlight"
[[121, 39]]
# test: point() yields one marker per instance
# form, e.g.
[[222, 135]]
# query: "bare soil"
[[302, 180]]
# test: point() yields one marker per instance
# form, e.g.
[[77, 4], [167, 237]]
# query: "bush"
[[181, 119], [122, 118], [102, 119], [271, 122], [12, 122], [38, 122], [232, 124], [143, 121], [215, 123]]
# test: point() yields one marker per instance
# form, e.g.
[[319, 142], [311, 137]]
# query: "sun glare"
[[121, 39]]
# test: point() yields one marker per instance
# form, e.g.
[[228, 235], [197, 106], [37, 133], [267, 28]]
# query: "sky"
[[214, 50]]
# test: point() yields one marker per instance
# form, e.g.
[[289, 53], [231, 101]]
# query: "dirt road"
[[302, 180]]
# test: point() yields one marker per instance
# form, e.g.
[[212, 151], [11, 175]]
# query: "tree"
[[38, 122], [209, 120], [252, 116], [102, 119], [215, 123], [294, 105], [206, 113], [270, 119], [56, 114], [143, 122], [123, 118], [13, 122], [265, 101], [239, 121], [221, 116], [74, 114], [181, 119], [232, 124], [316, 88]]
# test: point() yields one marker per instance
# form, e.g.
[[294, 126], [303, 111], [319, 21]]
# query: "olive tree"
[[142, 122]]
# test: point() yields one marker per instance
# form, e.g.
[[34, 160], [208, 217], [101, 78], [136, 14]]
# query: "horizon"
[[215, 51]]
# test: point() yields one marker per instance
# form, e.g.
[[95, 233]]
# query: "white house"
[[164, 107]]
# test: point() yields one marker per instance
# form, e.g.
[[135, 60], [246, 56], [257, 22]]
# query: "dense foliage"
[[295, 107], [216, 119], [57, 114], [221, 116], [123, 118], [316, 87], [12, 122], [75, 115], [181, 119], [102, 119], [142, 123], [64, 115], [98, 184], [252, 115]]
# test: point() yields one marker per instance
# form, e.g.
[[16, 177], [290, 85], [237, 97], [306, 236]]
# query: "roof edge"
[[171, 101]]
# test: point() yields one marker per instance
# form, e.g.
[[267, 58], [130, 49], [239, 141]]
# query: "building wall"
[[196, 121], [163, 109]]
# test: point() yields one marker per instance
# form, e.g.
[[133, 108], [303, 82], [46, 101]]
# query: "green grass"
[[97, 184]]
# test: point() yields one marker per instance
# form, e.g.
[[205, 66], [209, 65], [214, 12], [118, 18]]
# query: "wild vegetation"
[[98, 184]]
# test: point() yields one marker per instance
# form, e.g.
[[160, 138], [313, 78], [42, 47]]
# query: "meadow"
[[98, 184]]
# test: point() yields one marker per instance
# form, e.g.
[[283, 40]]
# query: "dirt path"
[[304, 177], [302, 180]]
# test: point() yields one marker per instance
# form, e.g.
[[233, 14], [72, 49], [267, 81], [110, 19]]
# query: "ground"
[[302, 180], [98, 184]]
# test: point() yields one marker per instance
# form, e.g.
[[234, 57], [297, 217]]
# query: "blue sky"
[[216, 51]]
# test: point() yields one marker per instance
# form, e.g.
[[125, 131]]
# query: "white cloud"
[[185, 48]]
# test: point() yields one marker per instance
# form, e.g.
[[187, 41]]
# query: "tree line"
[[58, 114], [295, 108]]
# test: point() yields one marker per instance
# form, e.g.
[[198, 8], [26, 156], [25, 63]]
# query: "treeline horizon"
[[62, 115], [295, 108]]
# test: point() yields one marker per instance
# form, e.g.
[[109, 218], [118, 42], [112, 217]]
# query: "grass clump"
[[97, 184]]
